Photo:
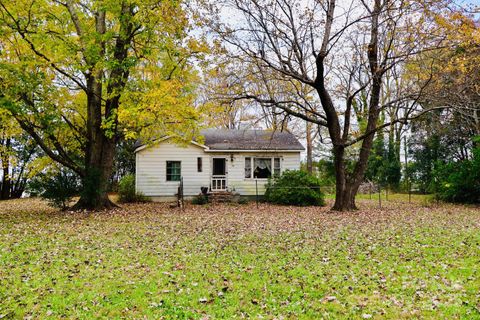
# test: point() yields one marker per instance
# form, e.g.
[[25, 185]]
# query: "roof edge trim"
[[156, 141]]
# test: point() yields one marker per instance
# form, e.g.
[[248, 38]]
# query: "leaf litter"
[[224, 261]]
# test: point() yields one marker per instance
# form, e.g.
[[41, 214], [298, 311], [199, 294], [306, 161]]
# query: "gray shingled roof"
[[228, 139], [223, 139]]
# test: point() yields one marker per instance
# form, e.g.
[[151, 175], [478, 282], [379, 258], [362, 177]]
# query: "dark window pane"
[[199, 164], [219, 166], [173, 170]]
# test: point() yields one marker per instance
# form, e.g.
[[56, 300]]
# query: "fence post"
[[180, 194], [379, 196], [409, 184], [407, 176]]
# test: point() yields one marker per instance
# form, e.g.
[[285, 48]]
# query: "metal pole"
[[407, 178], [181, 193], [256, 192], [379, 196]]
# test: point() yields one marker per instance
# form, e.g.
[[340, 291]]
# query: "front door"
[[219, 174]]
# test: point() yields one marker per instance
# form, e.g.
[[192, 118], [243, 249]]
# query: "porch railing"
[[219, 183]]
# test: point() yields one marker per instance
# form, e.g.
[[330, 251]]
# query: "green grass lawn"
[[227, 261], [404, 198]]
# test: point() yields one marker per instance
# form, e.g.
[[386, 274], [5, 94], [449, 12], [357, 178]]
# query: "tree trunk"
[[100, 149], [346, 200], [17, 193], [98, 170], [309, 148], [94, 194], [6, 184], [18, 188], [344, 191], [347, 184], [101, 142], [99, 154]]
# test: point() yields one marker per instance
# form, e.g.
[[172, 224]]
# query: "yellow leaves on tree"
[[164, 107]]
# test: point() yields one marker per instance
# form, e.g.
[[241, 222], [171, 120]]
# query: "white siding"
[[151, 169], [245, 186]]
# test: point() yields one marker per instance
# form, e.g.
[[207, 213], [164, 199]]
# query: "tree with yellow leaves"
[[78, 75], [455, 83]]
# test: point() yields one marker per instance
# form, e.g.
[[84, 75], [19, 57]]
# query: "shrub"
[[295, 187], [58, 187], [242, 200], [458, 181], [127, 192], [200, 199]]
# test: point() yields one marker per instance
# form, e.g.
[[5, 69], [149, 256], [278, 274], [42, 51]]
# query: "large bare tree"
[[340, 49]]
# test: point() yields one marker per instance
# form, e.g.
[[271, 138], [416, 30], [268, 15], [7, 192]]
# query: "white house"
[[239, 161]]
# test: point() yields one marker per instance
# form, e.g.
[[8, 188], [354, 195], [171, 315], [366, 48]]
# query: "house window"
[[262, 168], [174, 170], [248, 168], [199, 164]]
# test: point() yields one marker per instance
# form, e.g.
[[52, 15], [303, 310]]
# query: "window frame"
[[199, 164], [245, 167], [167, 175], [274, 168], [252, 164]]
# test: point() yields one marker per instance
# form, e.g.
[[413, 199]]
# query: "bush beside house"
[[127, 192], [294, 187]]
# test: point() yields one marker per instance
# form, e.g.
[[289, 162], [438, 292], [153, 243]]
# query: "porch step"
[[220, 196]]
